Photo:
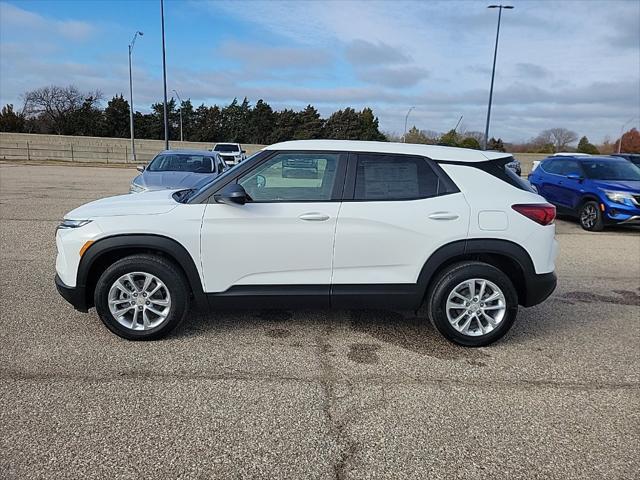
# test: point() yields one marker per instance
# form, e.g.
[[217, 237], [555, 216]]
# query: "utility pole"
[[493, 71], [164, 78], [406, 117], [180, 100], [133, 143]]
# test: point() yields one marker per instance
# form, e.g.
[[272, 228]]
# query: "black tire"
[[447, 280], [173, 279], [587, 219]]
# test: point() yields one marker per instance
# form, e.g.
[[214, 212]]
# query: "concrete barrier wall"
[[34, 147]]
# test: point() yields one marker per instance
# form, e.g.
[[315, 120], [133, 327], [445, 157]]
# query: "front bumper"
[[538, 288], [74, 295], [621, 213]]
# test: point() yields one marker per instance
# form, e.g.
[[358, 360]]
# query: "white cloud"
[[14, 18]]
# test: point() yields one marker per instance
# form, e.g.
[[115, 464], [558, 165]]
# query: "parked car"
[[178, 169], [632, 157], [232, 153], [515, 166], [598, 190], [383, 225]]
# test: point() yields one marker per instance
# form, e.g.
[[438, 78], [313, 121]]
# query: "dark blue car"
[[599, 191]]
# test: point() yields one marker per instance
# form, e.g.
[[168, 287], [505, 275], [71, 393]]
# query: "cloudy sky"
[[574, 64]]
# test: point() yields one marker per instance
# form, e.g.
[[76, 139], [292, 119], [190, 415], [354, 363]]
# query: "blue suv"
[[598, 190]]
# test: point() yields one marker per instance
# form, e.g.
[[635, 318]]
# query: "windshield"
[[182, 163], [226, 148], [611, 170]]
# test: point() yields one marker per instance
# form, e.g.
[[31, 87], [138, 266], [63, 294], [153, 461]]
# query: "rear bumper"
[[538, 288], [74, 295]]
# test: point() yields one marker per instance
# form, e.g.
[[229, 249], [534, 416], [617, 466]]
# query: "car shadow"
[[405, 330]]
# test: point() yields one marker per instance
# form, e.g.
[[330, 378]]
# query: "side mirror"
[[140, 168], [232, 194], [261, 181], [243, 151], [575, 176]]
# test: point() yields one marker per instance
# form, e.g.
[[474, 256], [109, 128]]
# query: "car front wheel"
[[591, 217], [142, 297], [472, 304]]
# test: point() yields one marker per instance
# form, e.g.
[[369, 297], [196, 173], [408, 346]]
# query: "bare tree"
[[57, 106], [559, 137]]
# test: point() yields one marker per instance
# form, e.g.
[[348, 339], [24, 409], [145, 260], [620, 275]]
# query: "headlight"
[[135, 188], [618, 197], [73, 223]]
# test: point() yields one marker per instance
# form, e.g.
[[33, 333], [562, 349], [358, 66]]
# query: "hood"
[[621, 185], [146, 203], [229, 154], [172, 180]]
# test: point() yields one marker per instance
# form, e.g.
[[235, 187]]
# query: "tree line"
[[68, 111]]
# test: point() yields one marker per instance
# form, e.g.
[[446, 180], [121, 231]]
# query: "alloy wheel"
[[476, 307], [139, 301], [589, 216]]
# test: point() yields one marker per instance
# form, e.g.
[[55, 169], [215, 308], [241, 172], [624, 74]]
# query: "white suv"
[[380, 225]]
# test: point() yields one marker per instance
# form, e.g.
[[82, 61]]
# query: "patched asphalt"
[[311, 394]]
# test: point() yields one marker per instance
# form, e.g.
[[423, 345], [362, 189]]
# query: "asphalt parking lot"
[[315, 394]]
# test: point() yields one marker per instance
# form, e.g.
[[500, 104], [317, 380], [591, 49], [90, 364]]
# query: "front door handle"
[[314, 217], [443, 216]]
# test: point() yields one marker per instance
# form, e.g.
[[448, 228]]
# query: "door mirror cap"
[[575, 176], [140, 168], [232, 194], [243, 151]]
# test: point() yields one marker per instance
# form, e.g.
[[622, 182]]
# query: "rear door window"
[[395, 177]]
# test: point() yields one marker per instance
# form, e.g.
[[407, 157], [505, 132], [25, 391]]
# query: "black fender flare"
[[460, 248], [169, 247]]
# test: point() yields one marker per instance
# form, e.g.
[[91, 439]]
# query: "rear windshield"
[[226, 148]]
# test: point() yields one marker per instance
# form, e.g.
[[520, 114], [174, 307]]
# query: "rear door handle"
[[443, 216], [314, 217]]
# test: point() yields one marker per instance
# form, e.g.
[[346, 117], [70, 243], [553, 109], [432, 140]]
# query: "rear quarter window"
[[498, 168]]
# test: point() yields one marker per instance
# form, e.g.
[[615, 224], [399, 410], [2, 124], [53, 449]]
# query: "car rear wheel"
[[142, 297], [472, 304], [591, 217]]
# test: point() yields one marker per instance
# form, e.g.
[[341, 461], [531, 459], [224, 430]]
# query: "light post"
[[133, 143], [164, 78], [180, 100], [406, 118], [493, 71], [622, 132]]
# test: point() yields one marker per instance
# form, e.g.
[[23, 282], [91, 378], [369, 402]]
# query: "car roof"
[[185, 151], [227, 143], [435, 152], [610, 158]]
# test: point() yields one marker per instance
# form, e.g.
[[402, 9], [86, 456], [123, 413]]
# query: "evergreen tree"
[[116, 118], [343, 125], [309, 124], [369, 126], [11, 121], [585, 147], [262, 123]]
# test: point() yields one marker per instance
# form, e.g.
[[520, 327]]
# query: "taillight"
[[542, 213]]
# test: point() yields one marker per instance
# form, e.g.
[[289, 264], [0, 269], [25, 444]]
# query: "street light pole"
[[133, 143], [493, 71], [164, 78], [622, 132], [180, 100], [406, 117]]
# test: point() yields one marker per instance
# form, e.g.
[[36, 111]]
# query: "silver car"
[[178, 169]]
